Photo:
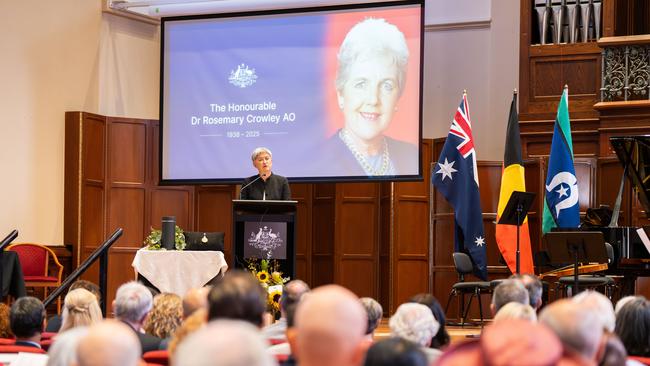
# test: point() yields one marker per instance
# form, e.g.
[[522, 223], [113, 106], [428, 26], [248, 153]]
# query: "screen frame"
[[324, 179]]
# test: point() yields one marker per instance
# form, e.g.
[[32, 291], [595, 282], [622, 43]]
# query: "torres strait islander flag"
[[512, 179], [456, 177], [561, 208]]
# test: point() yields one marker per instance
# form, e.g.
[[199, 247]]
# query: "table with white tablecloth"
[[178, 271]]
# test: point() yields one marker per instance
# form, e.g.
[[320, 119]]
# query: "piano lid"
[[634, 153]]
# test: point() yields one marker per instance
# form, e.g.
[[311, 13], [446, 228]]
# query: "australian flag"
[[456, 177]]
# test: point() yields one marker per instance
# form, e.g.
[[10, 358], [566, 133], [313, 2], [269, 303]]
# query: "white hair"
[[132, 302], [515, 310], [372, 36], [414, 322], [622, 301], [224, 342], [258, 151], [63, 352], [600, 305]]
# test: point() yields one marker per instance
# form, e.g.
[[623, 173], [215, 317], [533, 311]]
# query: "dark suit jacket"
[[147, 341], [27, 344]]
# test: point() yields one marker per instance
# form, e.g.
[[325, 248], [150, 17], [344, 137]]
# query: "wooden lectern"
[[265, 229]]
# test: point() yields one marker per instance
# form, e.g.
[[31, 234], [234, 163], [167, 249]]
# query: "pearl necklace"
[[361, 159]]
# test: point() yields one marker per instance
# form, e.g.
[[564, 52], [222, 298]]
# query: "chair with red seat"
[[7, 341], [12, 348], [158, 357], [35, 262]]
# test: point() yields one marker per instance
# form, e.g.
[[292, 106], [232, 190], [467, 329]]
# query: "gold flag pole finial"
[[515, 91], [464, 91]]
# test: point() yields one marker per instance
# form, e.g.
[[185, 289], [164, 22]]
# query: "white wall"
[[65, 55], [464, 52], [60, 56]]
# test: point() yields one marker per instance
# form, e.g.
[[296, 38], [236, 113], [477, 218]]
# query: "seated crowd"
[[228, 325]]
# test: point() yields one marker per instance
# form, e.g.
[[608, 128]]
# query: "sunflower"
[[263, 276], [274, 299]]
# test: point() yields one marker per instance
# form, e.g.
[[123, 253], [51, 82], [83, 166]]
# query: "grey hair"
[[374, 311], [414, 322], [372, 36], [515, 310], [224, 342], [508, 291], [63, 352], [600, 305], [132, 302], [260, 150]]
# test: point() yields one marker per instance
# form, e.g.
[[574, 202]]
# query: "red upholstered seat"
[[47, 335], [159, 357], [17, 349], [643, 360], [35, 263], [7, 341], [46, 343], [281, 358]]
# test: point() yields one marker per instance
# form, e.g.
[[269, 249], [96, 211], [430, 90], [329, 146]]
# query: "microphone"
[[251, 182]]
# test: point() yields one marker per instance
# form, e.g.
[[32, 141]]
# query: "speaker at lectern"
[[265, 229]]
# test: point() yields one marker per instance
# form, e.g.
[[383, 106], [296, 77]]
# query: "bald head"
[[109, 343], [579, 329], [330, 328], [194, 299]]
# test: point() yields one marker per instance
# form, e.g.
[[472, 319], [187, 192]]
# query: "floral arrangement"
[[153, 240], [267, 272]]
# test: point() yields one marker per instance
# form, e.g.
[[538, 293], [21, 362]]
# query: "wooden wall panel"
[[323, 232], [92, 215], [127, 210], [359, 274], [127, 147], [170, 202], [411, 278], [94, 139], [303, 194], [213, 212]]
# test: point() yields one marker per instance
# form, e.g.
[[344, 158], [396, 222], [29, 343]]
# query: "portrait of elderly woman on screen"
[[371, 74]]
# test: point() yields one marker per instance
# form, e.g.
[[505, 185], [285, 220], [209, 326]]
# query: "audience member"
[[63, 352], [633, 326], [285, 348], [415, 322], [580, 330], [109, 343], [508, 343], [614, 353], [195, 299], [291, 294], [54, 323], [395, 352], [224, 343], [374, 312], [80, 308], [515, 310], [508, 291], [165, 316], [26, 317], [5, 327], [132, 304], [191, 324], [622, 301], [441, 339], [600, 305], [330, 328], [238, 296], [534, 287]]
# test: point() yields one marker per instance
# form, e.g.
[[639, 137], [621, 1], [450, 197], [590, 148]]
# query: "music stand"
[[577, 247], [515, 213]]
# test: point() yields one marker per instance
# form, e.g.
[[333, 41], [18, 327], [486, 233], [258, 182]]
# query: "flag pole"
[[519, 210]]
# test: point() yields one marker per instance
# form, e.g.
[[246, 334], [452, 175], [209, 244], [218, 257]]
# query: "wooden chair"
[[35, 262]]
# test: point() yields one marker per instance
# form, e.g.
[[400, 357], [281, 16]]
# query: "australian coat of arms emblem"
[[243, 76]]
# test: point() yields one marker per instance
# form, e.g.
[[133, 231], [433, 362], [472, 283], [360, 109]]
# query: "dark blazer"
[[147, 341], [275, 186], [27, 344]]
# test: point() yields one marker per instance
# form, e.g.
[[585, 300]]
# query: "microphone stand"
[[249, 183]]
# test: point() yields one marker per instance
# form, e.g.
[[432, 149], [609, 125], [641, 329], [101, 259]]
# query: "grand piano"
[[631, 258]]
